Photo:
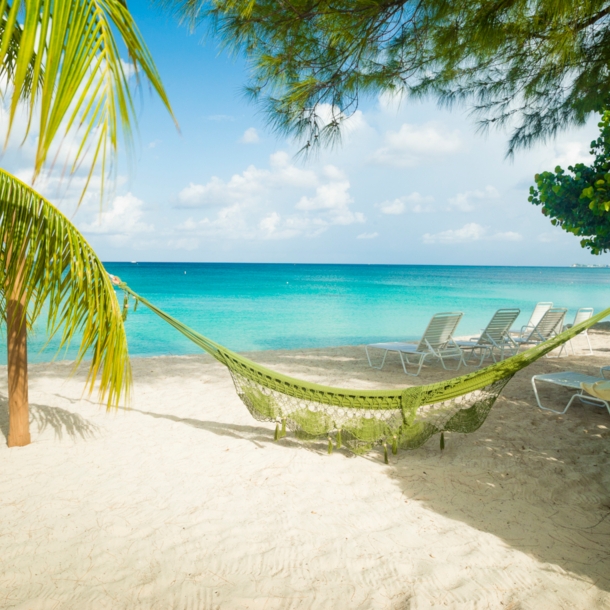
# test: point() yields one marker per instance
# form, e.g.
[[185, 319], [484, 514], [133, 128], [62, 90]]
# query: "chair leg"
[[547, 408], [472, 356], [369, 359], [460, 361], [422, 358], [420, 364], [586, 334], [592, 400], [584, 398], [484, 355]]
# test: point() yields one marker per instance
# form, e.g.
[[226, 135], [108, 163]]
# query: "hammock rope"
[[360, 419]]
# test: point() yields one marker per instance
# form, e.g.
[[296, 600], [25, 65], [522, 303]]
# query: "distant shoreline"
[[229, 263]]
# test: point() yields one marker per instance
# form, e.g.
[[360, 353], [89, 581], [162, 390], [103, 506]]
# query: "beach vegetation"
[[578, 199], [533, 67], [60, 64]]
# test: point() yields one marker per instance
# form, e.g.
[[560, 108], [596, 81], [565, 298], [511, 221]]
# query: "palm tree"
[[59, 60]]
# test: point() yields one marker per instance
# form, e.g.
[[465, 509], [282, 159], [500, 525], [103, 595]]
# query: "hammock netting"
[[361, 419]]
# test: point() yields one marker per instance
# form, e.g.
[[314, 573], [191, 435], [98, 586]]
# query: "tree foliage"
[[578, 200], [47, 260], [60, 60], [537, 66]]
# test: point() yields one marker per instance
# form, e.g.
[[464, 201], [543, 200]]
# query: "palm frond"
[[9, 64], [47, 260], [70, 48]]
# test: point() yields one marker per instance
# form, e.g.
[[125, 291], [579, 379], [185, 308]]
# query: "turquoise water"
[[271, 306]]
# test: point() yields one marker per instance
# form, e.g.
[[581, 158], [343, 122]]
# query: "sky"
[[409, 184]]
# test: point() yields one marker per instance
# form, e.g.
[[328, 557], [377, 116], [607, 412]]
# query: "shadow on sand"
[[521, 477], [554, 508], [61, 421]]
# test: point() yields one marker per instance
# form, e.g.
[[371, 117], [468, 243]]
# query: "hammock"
[[360, 419]]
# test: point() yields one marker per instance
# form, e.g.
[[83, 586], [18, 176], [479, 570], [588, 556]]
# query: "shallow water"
[[271, 306]]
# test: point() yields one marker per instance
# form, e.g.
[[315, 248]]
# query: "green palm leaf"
[[62, 58], [44, 257]]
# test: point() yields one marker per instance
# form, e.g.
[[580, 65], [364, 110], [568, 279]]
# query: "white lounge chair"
[[550, 324], [584, 313], [573, 381], [436, 344], [494, 338], [539, 311]]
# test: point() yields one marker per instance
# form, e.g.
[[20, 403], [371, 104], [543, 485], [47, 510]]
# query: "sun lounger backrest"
[[538, 313], [440, 331], [499, 325], [550, 324], [584, 313]]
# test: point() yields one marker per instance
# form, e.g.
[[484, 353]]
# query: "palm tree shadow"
[[62, 422], [257, 435]]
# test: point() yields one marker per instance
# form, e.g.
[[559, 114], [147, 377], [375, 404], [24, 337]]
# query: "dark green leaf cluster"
[[578, 200], [534, 65]]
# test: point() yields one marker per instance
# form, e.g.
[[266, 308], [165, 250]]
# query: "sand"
[[185, 501]]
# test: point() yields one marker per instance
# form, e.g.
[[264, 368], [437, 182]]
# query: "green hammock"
[[360, 419]]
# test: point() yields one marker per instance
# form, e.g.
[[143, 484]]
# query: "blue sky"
[[411, 184]]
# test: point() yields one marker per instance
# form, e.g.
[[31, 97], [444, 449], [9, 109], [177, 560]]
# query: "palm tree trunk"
[[16, 341]]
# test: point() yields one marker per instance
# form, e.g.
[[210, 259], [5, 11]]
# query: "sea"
[[250, 307]]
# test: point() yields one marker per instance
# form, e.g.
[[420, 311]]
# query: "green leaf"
[[63, 61], [61, 269]]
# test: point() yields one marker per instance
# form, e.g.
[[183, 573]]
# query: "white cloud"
[[399, 205], [393, 207], [185, 243], [273, 227], [390, 102], [468, 233], [271, 204], [333, 197], [249, 186], [569, 153], [464, 202], [412, 143], [270, 222], [123, 218], [368, 235], [250, 136]]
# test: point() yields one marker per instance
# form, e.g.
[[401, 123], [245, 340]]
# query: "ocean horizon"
[[262, 306]]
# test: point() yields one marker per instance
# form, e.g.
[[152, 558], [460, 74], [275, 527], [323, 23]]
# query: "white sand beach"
[[184, 501]]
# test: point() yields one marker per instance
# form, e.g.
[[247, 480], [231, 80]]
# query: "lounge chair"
[[584, 313], [549, 325], [574, 381], [436, 344], [494, 338], [539, 311]]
